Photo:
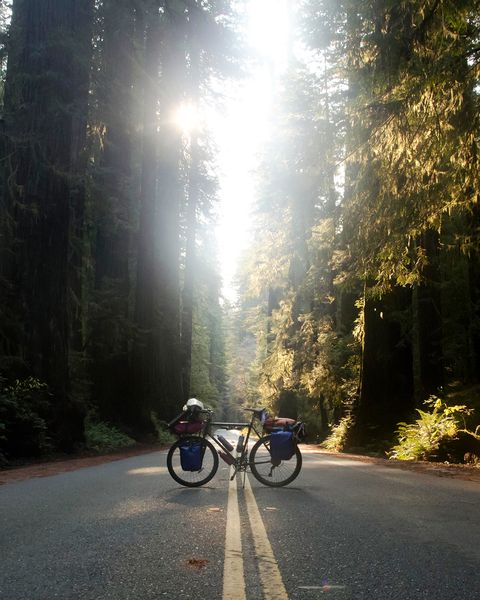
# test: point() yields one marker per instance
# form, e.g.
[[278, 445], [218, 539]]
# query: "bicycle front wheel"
[[194, 478], [272, 472]]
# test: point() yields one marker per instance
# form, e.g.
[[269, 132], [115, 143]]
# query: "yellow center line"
[[270, 576], [233, 577]]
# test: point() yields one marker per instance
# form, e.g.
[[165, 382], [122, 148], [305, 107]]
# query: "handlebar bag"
[[282, 445], [191, 455]]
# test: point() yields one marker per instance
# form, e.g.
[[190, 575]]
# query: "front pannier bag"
[[191, 455], [282, 445]]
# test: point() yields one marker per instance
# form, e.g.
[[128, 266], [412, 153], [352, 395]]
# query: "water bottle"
[[228, 458], [225, 443], [240, 444]]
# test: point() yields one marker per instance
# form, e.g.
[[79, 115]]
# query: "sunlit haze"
[[241, 129]]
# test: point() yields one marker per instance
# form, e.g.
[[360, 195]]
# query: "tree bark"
[[45, 117], [157, 362], [190, 266], [193, 192], [112, 392], [386, 382], [474, 288], [428, 322]]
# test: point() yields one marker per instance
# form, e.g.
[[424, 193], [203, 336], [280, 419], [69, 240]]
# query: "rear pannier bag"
[[191, 455], [282, 445], [187, 427]]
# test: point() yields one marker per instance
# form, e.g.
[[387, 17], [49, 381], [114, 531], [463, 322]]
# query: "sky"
[[241, 129]]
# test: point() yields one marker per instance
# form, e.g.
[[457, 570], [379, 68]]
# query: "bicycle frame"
[[239, 462]]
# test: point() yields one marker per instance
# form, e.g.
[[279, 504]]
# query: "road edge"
[[54, 467], [456, 471]]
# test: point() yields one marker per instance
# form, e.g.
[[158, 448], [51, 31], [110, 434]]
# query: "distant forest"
[[358, 300]]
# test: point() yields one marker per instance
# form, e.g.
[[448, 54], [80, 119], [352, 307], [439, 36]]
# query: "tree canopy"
[[359, 296]]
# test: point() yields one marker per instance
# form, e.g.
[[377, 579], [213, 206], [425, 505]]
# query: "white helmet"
[[194, 405]]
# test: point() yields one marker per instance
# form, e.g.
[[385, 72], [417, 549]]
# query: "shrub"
[[103, 437], [338, 436], [25, 418], [422, 439], [163, 433]]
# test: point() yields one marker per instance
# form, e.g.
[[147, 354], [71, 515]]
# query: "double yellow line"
[[233, 572]]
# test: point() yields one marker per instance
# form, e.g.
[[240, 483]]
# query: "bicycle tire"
[[266, 471], [192, 478]]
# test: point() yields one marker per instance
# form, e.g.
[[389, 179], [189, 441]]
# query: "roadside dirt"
[[468, 472], [54, 467]]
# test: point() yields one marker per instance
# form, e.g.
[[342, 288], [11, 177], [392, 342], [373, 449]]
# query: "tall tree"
[[211, 55], [45, 122], [157, 293], [113, 209]]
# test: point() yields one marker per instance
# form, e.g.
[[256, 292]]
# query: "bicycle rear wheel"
[[208, 467], [268, 471]]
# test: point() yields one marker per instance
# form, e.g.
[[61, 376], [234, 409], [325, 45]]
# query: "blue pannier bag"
[[282, 445], [191, 455]]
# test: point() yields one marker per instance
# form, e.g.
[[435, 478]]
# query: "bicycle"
[[268, 469]]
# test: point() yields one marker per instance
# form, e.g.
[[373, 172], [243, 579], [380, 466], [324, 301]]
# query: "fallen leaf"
[[197, 563]]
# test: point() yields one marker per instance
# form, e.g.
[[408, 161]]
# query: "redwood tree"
[[45, 123]]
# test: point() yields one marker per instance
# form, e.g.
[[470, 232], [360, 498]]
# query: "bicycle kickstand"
[[235, 471]]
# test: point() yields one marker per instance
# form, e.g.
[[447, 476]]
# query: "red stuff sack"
[[278, 423], [183, 427]]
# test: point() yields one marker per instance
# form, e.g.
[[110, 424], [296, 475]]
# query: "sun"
[[187, 118]]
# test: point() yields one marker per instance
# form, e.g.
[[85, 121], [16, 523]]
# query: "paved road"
[[344, 529]]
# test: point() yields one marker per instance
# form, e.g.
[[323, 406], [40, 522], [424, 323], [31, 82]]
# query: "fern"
[[420, 440]]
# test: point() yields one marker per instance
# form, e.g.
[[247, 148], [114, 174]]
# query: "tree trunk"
[[474, 286], [190, 267], [428, 323], [157, 363], [386, 383], [146, 360], [45, 104], [191, 227], [112, 391]]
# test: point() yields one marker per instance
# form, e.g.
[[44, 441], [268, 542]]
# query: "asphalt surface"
[[344, 528]]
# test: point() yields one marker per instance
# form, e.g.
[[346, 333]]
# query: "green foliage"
[[25, 418], [208, 355], [163, 434], [338, 437], [103, 437], [421, 440]]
